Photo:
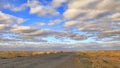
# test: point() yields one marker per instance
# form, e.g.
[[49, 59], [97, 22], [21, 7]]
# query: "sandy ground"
[[65, 60]]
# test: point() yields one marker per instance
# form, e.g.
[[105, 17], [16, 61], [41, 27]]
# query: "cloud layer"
[[94, 16], [72, 20]]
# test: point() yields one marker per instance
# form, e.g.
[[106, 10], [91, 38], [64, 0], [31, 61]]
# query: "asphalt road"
[[64, 60]]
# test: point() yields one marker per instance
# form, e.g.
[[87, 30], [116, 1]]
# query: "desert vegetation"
[[98, 59], [83, 59], [14, 54]]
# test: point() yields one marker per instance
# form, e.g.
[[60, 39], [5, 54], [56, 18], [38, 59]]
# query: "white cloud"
[[93, 16], [109, 33], [110, 5], [35, 7], [5, 4], [33, 32], [91, 9], [72, 14], [9, 20], [115, 17], [6, 18], [40, 10], [2, 26], [41, 24], [71, 23], [54, 22], [19, 8], [22, 29], [15, 8], [99, 18], [57, 3], [48, 46]]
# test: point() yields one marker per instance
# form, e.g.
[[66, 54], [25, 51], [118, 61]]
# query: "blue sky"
[[59, 22]]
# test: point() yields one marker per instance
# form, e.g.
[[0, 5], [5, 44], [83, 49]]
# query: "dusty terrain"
[[99, 59], [63, 60], [78, 59]]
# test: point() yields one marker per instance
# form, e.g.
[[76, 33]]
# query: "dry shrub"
[[7, 54], [38, 53], [23, 54], [13, 54], [99, 59]]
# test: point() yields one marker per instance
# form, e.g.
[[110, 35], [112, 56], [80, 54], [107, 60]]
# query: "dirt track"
[[65, 60]]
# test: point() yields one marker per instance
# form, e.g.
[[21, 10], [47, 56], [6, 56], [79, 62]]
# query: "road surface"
[[63, 60]]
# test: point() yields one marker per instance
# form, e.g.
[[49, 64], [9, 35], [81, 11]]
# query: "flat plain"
[[74, 59]]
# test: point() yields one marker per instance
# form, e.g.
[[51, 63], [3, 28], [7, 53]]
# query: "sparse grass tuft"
[[99, 59], [14, 54]]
